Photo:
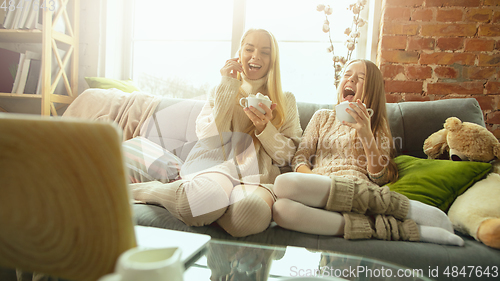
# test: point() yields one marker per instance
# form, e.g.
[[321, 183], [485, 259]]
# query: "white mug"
[[343, 115], [148, 264], [253, 101]]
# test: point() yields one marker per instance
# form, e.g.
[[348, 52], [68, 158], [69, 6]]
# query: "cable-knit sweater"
[[332, 149], [221, 144]]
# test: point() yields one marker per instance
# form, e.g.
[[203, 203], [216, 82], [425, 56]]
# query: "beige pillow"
[[147, 161]]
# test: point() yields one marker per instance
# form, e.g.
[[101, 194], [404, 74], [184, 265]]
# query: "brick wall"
[[440, 49]]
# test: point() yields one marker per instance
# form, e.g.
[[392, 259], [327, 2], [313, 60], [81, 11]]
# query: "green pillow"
[[108, 83], [436, 182]]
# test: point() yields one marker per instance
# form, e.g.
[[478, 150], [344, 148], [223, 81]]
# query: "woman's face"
[[351, 85], [255, 55]]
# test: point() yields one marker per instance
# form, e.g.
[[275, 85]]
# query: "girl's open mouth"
[[348, 94]]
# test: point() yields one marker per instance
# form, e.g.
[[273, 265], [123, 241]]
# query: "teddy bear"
[[477, 211]]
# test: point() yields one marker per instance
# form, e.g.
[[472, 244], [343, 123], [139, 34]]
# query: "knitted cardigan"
[[332, 149], [223, 148]]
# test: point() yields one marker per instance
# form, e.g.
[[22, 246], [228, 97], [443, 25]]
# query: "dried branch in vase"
[[352, 32]]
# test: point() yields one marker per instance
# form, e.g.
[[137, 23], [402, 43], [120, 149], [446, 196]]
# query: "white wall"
[[91, 41], [103, 28]]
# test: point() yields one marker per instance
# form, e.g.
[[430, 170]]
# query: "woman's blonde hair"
[[373, 97], [272, 87]]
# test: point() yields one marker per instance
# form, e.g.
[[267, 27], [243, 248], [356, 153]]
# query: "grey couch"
[[411, 123]]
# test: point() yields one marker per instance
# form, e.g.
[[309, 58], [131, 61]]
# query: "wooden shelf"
[[20, 36], [56, 67], [32, 36], [19, 96]]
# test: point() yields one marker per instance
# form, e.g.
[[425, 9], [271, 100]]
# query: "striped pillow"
[[147, 161]]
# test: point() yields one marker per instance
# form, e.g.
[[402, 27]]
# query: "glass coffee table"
[[228, 260]]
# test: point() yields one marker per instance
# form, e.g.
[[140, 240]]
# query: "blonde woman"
[[340, 167], [228, 175]]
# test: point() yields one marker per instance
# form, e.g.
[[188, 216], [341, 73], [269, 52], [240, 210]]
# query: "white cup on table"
[[148, 264]]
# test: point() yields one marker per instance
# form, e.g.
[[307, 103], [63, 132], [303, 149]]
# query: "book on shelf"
[[3, 15], [8, 69], [27, 15], [39, 20], [27, 67], [23, 11], [31, 18], [29, 63], [17, 15], [12, 16], [18, 74], [9, 19], [34, 77]]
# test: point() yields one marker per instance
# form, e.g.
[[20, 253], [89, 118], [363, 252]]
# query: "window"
[[178, 47]]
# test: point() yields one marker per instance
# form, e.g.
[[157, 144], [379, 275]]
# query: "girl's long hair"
[[272, 87], [374, 97]]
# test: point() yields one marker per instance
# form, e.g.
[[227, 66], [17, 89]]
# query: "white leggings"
[[302, 198]]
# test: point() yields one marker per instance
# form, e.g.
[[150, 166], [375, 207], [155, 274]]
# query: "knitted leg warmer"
[[381, 227], [388, 228], [357, 226], [347, 195]]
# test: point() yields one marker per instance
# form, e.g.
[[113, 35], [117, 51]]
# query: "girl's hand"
[[231, 68], [363, 123], [304, 169], [363, 128], [258, 119]]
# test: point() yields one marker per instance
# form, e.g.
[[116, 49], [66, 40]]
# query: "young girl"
[[228, 174], [341, 167]]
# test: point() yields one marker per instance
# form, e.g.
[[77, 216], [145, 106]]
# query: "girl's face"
[[255, 55], [351, 85]]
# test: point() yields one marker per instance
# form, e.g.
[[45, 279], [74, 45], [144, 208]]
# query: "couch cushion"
[[174, 125], [108, 83], [147, 161], [436, 182]]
